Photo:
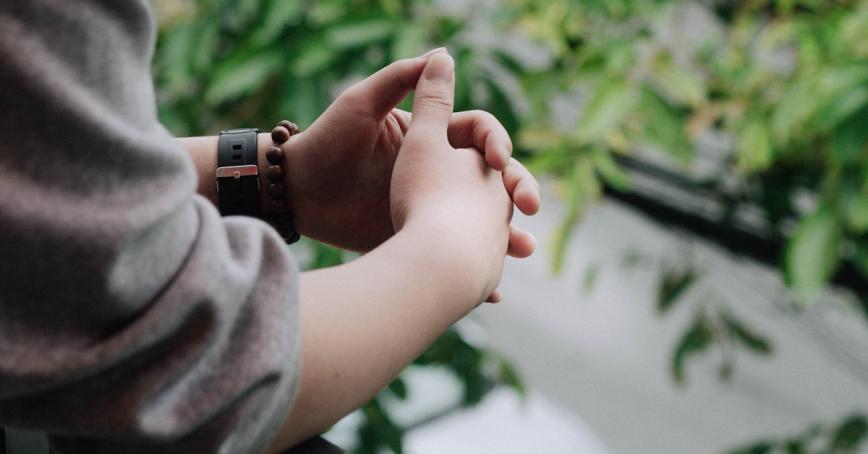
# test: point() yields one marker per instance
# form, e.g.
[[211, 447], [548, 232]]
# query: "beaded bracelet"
[[277, 210]]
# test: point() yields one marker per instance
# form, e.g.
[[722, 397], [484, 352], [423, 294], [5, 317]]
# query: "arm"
[[452, 215], [337, 172], [390, 305]]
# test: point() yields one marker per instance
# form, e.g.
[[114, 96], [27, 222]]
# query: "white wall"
[[605, 355]]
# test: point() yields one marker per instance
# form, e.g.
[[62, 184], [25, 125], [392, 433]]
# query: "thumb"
[[381, 92], [435, 94]]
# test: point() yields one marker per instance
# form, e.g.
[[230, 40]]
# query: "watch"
[[238, 191]]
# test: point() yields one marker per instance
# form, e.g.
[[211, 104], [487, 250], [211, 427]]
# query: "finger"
[[403, 118], [481, 130], [385, 89], [522, 187], [435, 92], [495, 297], [521, 243]]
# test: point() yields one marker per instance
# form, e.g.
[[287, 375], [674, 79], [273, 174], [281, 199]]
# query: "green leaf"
[[475, 388], [303, 100], [849, 143], [763, 447], [609, 170], [313, 59], [793, 113], [795, 446], [850, 434], [754, 153], [280, 15], [683, 86], [410, 41], [500, 104], [589, 280], [673, 284], [398, 388], [747, 337], [325, 256], [581, 187], [664, 126], [378, 430], [176, 45], [860, 257], [695, 340], [353, 35], [841, 108], [853, 198], [857, 214], [813, 254], [607, 111], [509, 376], [242, 73]]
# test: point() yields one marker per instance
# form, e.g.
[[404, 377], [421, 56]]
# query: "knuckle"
[[436, 101], [402, 65], [353, 95], [484, 116]]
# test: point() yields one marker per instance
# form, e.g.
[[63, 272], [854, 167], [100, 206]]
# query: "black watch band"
[[238, 173]]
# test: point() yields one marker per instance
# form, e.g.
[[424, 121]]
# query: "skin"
[[429, 195], [337, 171]]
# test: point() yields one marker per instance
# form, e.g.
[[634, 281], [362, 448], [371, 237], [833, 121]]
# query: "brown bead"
[[284, 220], [275, 174], [276, 207], [285, 226], [275, 155], [280, 134], [291, 237], [276, 190], [290, 126]]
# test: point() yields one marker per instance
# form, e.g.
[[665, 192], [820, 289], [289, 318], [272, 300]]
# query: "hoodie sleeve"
[[133, 318]]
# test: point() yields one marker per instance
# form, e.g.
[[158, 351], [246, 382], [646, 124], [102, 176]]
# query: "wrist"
[[263, 143], [453, 254]]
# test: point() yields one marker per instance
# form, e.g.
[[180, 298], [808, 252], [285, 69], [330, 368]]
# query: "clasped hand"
[[364, 169]]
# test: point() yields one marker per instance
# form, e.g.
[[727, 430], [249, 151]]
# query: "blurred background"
[[702, 281]]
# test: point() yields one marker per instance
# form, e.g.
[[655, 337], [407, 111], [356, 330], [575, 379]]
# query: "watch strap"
[[238, 190]]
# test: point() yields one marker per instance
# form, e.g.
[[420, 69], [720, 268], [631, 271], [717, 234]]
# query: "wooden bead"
[[275, 155], [290, 126], [276, 207], [280, 134], [284, 223], [285, 226], [275, 174], [276, 190]]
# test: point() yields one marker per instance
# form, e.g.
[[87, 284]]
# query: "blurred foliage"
[[578, 83], [845, 437], [785, 82]]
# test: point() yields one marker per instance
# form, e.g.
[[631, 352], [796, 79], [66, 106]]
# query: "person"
[[135, 318]]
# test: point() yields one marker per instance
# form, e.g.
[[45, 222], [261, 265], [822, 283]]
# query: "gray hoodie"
[[133, 318]]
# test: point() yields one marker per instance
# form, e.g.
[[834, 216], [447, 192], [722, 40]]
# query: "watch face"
[[239, 130]]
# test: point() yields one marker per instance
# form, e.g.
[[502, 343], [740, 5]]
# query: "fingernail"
[[435, 51], [440, 67]]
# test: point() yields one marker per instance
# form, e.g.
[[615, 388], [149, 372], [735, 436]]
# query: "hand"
[[339, 169], [453, 190]]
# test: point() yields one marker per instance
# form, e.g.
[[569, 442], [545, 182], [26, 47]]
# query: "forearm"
[[362, 322]]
